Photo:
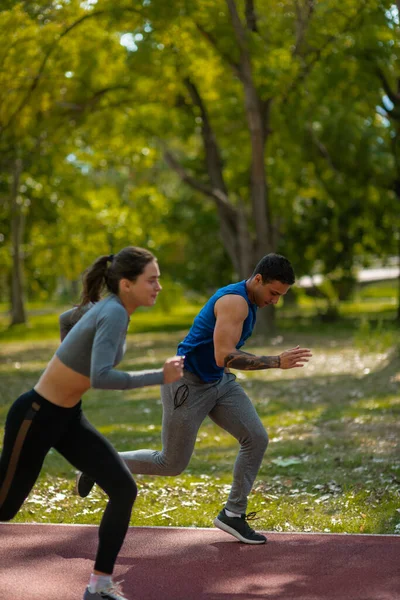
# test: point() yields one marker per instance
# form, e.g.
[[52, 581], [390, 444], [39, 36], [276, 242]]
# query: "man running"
[[208, 388]]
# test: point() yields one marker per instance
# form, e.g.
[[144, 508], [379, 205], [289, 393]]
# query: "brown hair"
[[107, 271]]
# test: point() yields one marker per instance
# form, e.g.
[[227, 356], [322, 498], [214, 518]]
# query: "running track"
[[52, 562]]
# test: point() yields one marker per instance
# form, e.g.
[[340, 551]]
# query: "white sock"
[[99, 582], [231, 514]]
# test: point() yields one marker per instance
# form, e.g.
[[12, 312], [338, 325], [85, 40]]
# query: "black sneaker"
[[239, 528], [83, 484]]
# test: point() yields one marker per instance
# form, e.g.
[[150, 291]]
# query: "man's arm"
[[230, 312], [296, 357], [250, 362]]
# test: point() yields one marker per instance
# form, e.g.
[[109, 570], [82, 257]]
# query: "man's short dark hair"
[[274, 267]]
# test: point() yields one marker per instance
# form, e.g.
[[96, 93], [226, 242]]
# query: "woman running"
[[50, 415]]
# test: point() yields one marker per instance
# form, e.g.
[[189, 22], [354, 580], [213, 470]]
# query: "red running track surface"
[[53, 562]]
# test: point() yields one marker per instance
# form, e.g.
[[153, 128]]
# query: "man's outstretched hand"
[[296, 357]]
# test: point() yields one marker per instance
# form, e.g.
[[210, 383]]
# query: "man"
[[211, 349]]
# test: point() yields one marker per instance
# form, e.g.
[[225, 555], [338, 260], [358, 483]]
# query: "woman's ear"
[[124, 285]]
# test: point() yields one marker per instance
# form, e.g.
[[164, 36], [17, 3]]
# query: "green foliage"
[[91, 95], [376, 336], [175, 310], [378, 290], [173, 313]]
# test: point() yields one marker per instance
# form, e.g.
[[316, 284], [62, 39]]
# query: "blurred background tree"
[[212, 132]]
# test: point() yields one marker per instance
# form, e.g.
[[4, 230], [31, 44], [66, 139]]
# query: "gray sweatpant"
[[186, 403]]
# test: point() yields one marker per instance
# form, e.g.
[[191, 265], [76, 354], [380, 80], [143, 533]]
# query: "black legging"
[[35, 425]]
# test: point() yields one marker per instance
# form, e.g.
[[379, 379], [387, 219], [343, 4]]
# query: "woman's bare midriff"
[[61, 385]]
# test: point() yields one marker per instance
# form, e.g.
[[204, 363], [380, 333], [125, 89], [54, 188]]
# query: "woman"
[[50, 415]]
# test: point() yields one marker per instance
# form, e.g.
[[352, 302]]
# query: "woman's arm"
[[65, 322], [109, 337], [70, 317]]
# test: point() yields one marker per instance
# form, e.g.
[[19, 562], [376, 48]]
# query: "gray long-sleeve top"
[[95, 344]]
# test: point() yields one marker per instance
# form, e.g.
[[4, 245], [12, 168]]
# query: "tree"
[[40, 103], [343, 210], [228, 70], [384, 66], [265, 111]]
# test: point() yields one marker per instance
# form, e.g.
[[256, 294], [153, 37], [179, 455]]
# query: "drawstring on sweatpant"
[[181, 395]]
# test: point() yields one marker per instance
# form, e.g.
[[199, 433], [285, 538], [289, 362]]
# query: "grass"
[[333, 459], [43, 319], [43, 323]]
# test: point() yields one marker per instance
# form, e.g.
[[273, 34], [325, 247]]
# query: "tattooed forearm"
[[250, 362]]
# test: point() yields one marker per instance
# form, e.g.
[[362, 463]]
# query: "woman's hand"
[[173, 369]]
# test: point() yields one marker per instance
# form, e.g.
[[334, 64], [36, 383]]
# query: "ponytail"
[[94, 281]]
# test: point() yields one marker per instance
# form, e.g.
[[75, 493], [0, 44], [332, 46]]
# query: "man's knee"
[[174, 469], [260, 439], [171, 468], [266, 439]]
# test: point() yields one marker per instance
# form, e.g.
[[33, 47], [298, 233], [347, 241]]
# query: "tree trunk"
[[18, 314], [257, 114], [246, 235], [394, 96]]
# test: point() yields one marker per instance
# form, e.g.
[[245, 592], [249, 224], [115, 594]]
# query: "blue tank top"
[[198, 345]]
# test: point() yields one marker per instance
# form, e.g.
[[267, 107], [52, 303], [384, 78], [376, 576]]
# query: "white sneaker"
[[112, 593]]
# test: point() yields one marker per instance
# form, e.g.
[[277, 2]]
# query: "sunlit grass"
[[332, 462], [43, 324], [374, 302]]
